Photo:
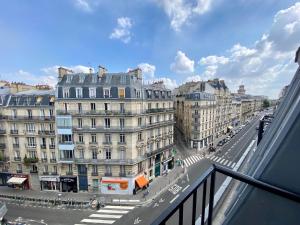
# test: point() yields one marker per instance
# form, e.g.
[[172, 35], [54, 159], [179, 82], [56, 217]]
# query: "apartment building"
[[27, 136], [114, 133], [195, 118], [218, 88]]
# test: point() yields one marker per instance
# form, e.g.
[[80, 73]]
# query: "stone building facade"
[[114, 132], [195, 117]]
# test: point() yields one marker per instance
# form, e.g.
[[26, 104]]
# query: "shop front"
[[4, 178], [168, 164], [157, 165], [120, 185], [141, 182], [19, 181], [68, 183], [49, 183]]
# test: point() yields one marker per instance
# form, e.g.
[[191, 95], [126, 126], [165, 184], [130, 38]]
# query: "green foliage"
[[266, 103], [28, 161]]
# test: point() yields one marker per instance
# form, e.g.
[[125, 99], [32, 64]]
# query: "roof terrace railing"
[[203, 180]]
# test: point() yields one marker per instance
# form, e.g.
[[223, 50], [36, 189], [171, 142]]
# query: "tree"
[[266, 103]]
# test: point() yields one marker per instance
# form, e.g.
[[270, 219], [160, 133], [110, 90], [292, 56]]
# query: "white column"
[[191, 144], [198, 146]]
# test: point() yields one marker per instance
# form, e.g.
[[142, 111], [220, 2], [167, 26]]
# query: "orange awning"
[[141, 181]]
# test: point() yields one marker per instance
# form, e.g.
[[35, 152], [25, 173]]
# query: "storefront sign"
[[49, 178], [68, 179], [116, 186]]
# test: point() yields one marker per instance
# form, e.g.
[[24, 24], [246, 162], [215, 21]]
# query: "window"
[[157, 105], [29, 112], [107, 138], [122, 108], [14, 113], [42, 112], [52, 141], [139, 121], [108, 169], [69, 78], [138, 94], [53, 156], [93, 106], [79, 106], [122, 153], [94, 169], [55, 169], [139, 136], [31, 141], [121, 93], [107, 153], [17, 154], [140, 167], [122, 170], [80, 138], [30, 127], [70, 168], [78, 92], [122, 123], [16, 140], [93, 123], [106, 93], [92, 92], [19, 167], [107, 122], [106, 106], [79, 121], [149, 105], [150, 119], [66, 92], [81, 78], [51, 112], [94, 153], [157, 118], [81, 154], [45, 168], [122, 138], [93, 138]]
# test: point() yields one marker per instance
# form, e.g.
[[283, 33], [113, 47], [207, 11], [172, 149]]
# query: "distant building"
[[241, 90]]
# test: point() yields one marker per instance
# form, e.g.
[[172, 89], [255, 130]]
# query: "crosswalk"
[[191, 160], [107, 215], [221, 160]]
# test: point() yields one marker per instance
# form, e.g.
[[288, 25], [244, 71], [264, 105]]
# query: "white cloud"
[[83, 5], [53, 70], [169, 83], [265, 67], [148, 69], [122, 31], [180, 11], [182, 64]]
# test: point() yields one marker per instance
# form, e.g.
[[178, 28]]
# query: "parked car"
[[220, 143], [212, 149]]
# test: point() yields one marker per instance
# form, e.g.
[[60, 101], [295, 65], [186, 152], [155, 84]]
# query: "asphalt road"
[[230, 152]]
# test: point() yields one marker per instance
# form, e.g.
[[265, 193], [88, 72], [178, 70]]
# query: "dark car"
[[220, 143], [212, 149]]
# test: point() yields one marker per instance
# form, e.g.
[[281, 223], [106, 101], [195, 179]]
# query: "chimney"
[[137, 72], [101, 71], [63, 71], [297, 58]]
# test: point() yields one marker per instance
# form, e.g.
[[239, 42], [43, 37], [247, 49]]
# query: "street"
[[228, 155]]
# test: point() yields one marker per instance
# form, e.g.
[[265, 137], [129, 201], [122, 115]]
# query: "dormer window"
[[92, 92], [66, 92], [121, 92], [78, 92], [81, 78], [138, 94], [149, 92], [106, 92], [94, 79], [69, 78]]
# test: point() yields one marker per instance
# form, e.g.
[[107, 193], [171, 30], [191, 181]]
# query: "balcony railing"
[[111, 161], [70, 173], [17, 159], [44, 159], [2, 145], [206, 218], [108, 174], [94, 173], [51, 146], [2, 131], [16, 145], [52, 160], [40, 118], [43, 146], [46, 132], [30, 146], [14, 131]]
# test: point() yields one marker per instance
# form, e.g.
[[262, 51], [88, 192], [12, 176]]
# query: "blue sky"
[[244, 42]]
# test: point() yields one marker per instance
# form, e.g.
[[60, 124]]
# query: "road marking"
[[213, 158], [226, 161], [229, 164], [222, 160], [118, 207], [175, 189], [233, 165], [134, 200], [185, 188], [97, 221], [195, 159], [219, 159], [106, 216], [137, 221], [188, 162], [174, 199], [112, 211], [192, 159]]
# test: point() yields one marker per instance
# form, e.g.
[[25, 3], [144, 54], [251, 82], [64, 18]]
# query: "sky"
[[243, 42]]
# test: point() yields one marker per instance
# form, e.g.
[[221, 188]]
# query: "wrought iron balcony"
[[17, 159], [16, 145], [2, 131], [51, 146], [14, 132], [43, 146], [94, 174], [52, 160], [2, 145], [46, 132], [207, 181]]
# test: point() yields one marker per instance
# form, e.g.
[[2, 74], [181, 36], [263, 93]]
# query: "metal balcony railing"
[[178, 204]]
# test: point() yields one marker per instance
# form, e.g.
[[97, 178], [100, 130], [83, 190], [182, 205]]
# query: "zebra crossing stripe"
[[190, 161], [199, 157], [233, 165], [226, 161], [118, 207], [106, 216], [187, 163], [218, 159], [195, 159], [97, 221], [213, 158], [222, 160], [229, 164], [112, 211]]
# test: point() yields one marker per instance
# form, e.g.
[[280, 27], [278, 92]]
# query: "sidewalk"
[[156, 187]]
